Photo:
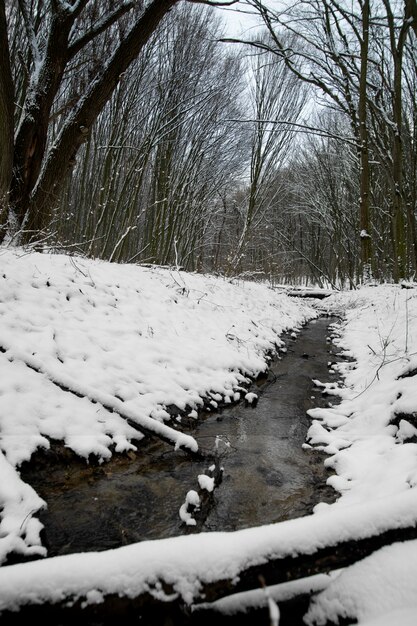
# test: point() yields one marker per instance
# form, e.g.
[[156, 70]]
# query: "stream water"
[[268, 476]]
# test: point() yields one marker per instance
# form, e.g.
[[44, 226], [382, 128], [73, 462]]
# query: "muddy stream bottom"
[[268, 476]]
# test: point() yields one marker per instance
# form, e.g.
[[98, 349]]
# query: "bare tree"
[[276, 101], [341, 48], [147, 180], [56, 34]]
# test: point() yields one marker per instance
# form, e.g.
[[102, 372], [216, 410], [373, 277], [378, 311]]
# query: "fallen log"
[[170, 609], [293, 568], [320, 294], [166, 578]]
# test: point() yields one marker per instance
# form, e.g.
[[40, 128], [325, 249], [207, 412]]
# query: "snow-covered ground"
[[371, 437], [91, 351]]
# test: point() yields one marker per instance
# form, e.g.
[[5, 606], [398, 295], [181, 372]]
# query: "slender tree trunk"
[[6, 120], [366, 247], [399, 223], [411, 219]]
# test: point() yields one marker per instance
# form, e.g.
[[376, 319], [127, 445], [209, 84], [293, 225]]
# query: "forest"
[[146, 132], [208, 312]]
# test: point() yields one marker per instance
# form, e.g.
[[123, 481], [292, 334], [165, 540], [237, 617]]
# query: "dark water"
[[268, 476]]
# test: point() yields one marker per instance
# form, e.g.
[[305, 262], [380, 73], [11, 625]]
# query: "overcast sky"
[[239, 21]]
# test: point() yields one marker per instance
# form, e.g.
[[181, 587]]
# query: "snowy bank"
[[371, 439], [371, 435], [380, 590], [96, 354]]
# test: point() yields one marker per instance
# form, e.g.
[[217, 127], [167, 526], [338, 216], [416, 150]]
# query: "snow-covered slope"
[[92, 351], [371, 437]]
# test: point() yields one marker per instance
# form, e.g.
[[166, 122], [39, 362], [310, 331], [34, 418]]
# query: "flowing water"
[[268, 476]]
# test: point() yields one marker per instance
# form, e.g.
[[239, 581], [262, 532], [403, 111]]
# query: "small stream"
[[268, 476]]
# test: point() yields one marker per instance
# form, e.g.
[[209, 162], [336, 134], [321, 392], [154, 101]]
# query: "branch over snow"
[[143, 423]]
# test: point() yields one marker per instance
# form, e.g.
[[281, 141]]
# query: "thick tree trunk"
[[49, 63], [33, 131], [6, 120], [151, 609]]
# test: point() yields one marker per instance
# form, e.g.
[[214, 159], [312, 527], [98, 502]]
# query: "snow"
[[206, 482], [191, 499], [381, 589], [93, 353], [371, 441], [274, 612], [369, 435], [244, 601], [251, 397], [99, 355], [186, 563]]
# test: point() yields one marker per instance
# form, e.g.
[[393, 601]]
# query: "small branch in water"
[[28, 516]]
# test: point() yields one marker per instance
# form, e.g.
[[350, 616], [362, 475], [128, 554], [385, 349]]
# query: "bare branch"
[[30, 30], [102, 25], [212, 3], [300, 128], [62, 6], [75, 131]]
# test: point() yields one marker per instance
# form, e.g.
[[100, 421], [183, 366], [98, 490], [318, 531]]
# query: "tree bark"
[[411, 14], [399, 219], [366, 247], [61, 157], [33, 131], [151, 609], [6, 119]]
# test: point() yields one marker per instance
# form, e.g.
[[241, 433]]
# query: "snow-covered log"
[[188, 569], [320, 294]]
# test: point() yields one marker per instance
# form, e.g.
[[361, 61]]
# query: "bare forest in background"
[[290, 156]]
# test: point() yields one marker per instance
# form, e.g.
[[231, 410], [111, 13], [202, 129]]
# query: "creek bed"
[[268, 477]]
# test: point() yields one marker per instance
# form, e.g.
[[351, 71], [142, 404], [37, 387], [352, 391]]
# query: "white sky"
[[240, 23]]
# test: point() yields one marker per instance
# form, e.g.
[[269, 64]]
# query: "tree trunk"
[[411, 13], [6, 120], [366, 247], [32, 134], [150, 607], [399, 235], [61, 157], [399, 225]]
